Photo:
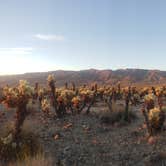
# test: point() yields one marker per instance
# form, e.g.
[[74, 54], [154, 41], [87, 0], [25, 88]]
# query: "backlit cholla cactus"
[[88, 98], [100, 92], [127, 100], [51, 79], [73, 86], [156, 119], [51, 83], [135, 99], [18, 98], [36, 89], [86, 95], [61, 105], [160, 95], [76, 103], [41, 93], [149, 101], [45, 105], [119, 91], [64, 101], [79, 104]]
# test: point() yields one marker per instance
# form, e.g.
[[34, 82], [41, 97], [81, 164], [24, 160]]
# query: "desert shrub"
[[117, 115], [28, 146], [32, 106], [164, 109], [158, 159], [37, 160]]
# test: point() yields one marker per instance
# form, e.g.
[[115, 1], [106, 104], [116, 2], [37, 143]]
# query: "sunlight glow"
[[19, 60]]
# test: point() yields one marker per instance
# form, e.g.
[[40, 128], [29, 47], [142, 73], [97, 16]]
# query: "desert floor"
[[82, 140]]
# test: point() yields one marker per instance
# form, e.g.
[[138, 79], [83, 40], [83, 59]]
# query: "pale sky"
[[43, 35]]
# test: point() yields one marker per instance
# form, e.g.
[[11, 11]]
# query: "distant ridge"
[[125, 76]]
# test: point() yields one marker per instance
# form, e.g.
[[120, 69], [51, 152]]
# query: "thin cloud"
[[16, 51], [50, 37]]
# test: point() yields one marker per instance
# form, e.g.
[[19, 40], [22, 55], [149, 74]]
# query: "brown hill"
[[125, 76]]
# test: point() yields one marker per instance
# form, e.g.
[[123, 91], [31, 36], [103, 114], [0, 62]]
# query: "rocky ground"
[[82, 140]]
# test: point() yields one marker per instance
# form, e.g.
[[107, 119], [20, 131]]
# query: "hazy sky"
[[41, 35]]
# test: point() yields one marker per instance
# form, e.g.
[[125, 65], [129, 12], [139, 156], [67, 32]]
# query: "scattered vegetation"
[[71, 100], [28, 146]]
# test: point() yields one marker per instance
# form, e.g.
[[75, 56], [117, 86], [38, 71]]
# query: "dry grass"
[[30, 145], [116, 115], [38, 160]]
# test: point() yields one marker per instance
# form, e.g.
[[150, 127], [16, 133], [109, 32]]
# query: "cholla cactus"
[[64, 100], [100, 92], [24, 89], [11, 96], [149, 101], [148, 105], [88, 98], [41, 93], [135, 99], [36, 89], [7, 140], [127, 100], [51, 83], [51, 78], [76, 101], [68, 94], [18, 98], [73, 86], [156, 118], [66, 85], [45, 105], [154, 114], [149, 97], [62, 103], [119, 90], [87, 95], [21, 94]]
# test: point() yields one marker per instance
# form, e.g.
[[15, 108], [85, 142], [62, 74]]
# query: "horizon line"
[[49, 71]]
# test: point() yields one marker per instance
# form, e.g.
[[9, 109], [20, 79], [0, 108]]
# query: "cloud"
[[16, 51], [49, 37]]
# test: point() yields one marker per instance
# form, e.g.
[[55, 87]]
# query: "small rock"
[[152, 140]]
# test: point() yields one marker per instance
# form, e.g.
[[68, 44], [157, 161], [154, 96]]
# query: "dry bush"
[[32, 106], [157, 159], [116, 115], [38, 160], [29, 144]]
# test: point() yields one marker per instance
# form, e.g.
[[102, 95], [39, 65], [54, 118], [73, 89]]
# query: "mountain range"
[[110, 77]]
